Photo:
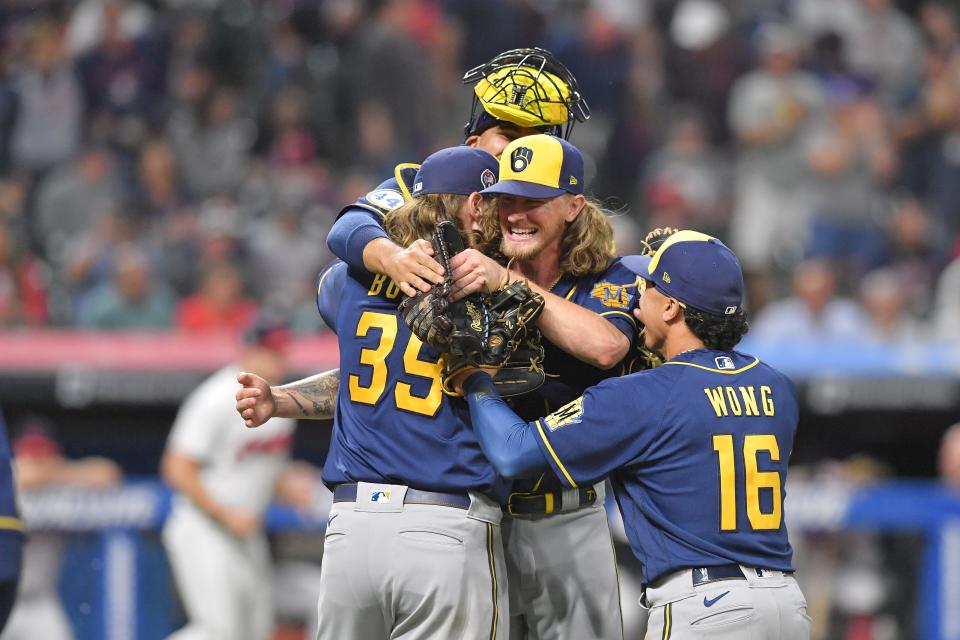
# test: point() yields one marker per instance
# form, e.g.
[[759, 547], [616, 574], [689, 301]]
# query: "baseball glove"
[[427, 312], [508, 340]]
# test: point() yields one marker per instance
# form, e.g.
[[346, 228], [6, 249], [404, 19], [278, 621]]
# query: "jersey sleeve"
[[611, 294], [361, 222], [606, 428], [194, 434], [329, 292]]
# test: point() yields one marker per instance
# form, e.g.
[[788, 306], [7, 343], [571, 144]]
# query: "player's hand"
[[239, 522], [414, 268], [255, 401], [457, 381], [473, 272]]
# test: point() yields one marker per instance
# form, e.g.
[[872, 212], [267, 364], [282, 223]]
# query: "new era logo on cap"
[[539, 167]]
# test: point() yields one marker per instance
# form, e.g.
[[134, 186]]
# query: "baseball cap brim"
[[640, 265], [523, 190]]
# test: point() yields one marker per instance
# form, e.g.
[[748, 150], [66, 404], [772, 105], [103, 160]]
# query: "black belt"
[[544, 503], [348, 493]]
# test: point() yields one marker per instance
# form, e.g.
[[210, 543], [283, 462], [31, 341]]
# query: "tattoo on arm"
[[319, 392]]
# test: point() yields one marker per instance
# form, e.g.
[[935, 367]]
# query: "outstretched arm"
[[506, 439], [312, 398]]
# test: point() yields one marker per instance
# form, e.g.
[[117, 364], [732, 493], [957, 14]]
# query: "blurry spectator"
[[88, 263], [89, 22], [946, 303], [133, 300], [948, 459], [915, 251], [212, 143], [288, 248], [159, 192], [40, 464], [884, 46], [23, 285], [703, 57], [49, 102], [292, 143], [852, 159], [938, 19], [686, 182], [123, 80], [884, 298], [770, 109], [70, 200], [814, 313], [218, 305]]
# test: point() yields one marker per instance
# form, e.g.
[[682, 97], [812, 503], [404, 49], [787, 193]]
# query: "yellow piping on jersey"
[[403, 186], [569, 295], [491, 556], [322, 278], [755, 362], [10, 522], [553, 454], [633, 320]]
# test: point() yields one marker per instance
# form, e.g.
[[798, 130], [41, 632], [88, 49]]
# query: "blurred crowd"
[[177, 163]]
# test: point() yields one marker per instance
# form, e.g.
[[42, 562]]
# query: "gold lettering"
[[392, 290], [377, 286], [733, 401], [715, 396], [766, 398], [749, 401]]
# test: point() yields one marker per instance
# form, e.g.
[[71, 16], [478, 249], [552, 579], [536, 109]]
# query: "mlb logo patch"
[[724, 362], [487, 178], [381, 497], [417, 188]]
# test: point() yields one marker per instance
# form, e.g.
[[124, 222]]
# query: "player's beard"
[[520, 252]]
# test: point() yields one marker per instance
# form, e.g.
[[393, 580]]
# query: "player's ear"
[[574, 207], [672, 310]]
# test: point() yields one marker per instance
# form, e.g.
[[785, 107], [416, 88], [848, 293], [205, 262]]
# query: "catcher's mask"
[[528, 87]]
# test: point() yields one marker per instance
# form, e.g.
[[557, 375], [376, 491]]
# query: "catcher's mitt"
[[509, 342]]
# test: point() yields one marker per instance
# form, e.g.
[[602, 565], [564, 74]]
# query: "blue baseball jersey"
[[610, 294], [11, 526], [392, 422], [697, 453]]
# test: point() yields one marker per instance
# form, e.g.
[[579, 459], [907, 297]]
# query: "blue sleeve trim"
[[507, 440]]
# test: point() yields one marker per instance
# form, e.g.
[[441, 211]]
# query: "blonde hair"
[[587, 242], [417, 218]]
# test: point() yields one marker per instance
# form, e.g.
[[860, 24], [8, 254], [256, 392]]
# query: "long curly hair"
[[721, 333], [587, 242], [417, 218]]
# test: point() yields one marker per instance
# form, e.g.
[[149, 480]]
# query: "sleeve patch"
[[570, 413], [386, 199], [612, 295]]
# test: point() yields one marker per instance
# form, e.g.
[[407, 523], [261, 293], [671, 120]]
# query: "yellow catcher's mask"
[[524, 95]]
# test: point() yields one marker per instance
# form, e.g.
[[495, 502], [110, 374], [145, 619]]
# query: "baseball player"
[[224, 476], [562, 565], [413, 546], [696, 449], [11, 530]]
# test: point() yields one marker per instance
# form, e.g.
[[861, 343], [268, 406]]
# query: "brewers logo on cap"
[[539, 167]]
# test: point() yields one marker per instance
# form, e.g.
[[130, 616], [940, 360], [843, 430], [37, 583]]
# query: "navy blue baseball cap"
[[696, 269], [540, 166], [267, 330], [455, 170]]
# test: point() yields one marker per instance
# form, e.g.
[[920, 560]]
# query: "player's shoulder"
[[389, 194], [611, 290]]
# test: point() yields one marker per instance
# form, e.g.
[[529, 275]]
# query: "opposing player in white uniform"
[[225, 475]]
